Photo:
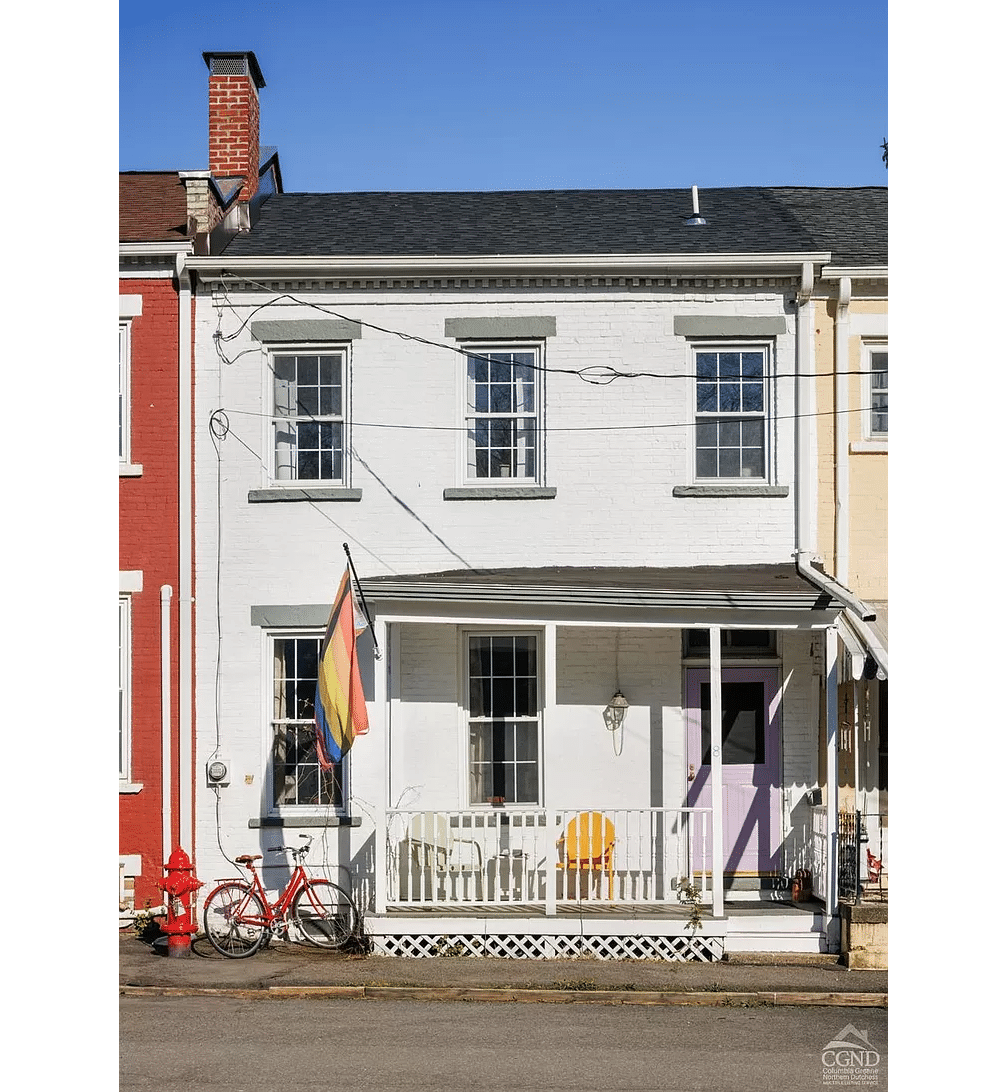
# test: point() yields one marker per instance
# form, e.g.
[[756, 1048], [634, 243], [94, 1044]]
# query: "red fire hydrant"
[[179, 888]]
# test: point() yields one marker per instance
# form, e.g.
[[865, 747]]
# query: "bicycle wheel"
[[234, 919], [325, 914]]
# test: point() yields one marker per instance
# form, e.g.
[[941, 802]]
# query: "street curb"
[[604, 997]]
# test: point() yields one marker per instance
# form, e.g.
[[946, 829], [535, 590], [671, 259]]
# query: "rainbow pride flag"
[[340, 709]]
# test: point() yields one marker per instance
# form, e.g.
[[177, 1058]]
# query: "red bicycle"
[[238, 916]]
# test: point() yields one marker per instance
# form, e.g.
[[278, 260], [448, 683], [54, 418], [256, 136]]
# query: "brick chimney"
[[235, 80]]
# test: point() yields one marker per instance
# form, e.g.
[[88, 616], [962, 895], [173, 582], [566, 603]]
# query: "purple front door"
[[750, 733]]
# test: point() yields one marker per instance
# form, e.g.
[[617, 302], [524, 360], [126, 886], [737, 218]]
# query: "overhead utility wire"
[[595, 374], [738, 414]]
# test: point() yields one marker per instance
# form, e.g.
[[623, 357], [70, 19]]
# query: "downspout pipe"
[[871, 642], [805, 419], [841, 467], [856, 607], [166, 723], [187, 773]]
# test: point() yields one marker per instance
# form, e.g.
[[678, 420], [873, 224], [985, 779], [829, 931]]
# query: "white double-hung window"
[[125, 638], [130, 309], [299, 775], [309, 403], [503, 719], [503, 414], [732, 398], [124, 371], [879, 393]]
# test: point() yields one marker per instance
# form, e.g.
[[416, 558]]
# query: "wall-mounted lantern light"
[[615, 711]]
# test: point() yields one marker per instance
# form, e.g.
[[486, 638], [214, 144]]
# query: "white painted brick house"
[[569, 442]]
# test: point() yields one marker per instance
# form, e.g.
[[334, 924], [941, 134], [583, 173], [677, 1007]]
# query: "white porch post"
[[717, 801], [832, 781], [549, 721], [381, 701]]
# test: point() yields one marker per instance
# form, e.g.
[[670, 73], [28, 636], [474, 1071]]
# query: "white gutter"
[[854, 272], [187, 772], [841, 468], [212, 266], [154, 250], [166, 723], [805, 421]]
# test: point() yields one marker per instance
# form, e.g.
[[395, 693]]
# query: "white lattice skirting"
[[682, 948]]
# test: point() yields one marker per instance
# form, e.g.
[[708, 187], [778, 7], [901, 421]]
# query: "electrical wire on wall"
[[219, 427], [595, 374]]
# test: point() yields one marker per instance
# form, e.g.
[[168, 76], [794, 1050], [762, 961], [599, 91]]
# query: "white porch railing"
[[820, 851], [511, 856]]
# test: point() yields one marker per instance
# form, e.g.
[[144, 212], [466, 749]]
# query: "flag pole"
[[367, 613]]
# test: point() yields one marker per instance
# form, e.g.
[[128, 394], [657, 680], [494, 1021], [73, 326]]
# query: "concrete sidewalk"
[[284, 970]]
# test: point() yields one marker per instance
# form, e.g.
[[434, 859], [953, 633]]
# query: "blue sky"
[[445, 95]]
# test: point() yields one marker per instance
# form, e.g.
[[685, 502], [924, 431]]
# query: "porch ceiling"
[[721, 588]]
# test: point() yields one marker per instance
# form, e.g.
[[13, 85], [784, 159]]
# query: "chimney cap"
[[234, 63]]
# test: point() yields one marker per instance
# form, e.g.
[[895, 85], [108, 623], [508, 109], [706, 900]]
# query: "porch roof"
[[719, 588]]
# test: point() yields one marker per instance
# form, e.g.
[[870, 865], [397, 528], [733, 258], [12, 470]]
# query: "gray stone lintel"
[[729, 325], [280, 615], [501, 326], [278, 332]]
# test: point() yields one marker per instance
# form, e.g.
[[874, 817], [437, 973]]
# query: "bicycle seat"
[[247, 858]]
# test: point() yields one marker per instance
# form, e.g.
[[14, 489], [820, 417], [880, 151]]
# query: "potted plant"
[[801, 885]]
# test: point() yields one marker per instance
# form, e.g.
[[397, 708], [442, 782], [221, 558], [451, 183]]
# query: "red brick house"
[[163, 217]]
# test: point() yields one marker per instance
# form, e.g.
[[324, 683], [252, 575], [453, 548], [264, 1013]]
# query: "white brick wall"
[[613, 507], [621, 480]]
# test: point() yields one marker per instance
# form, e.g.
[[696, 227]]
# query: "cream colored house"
[[851, 515]]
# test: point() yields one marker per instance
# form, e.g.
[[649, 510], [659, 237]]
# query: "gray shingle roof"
[[745, 219], [852, 223]]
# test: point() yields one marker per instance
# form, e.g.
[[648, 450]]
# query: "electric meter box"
[[218, 772]]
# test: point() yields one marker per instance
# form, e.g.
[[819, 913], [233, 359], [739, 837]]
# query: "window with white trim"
[[879, 423], [309, 401], [124, 396], [125, 718], [298, 774], [503, 719], [732, 397], [503, 414]]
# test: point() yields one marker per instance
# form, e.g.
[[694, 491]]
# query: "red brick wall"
[[149, 541], [234, 130]]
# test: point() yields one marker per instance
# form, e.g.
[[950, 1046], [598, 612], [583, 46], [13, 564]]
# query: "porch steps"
[[772, 926]]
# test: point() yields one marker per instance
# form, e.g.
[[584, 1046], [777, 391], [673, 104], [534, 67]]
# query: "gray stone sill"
[[130, 787], [257, 822], [501, 492], [130, 470], [730, 491], [304, 493]]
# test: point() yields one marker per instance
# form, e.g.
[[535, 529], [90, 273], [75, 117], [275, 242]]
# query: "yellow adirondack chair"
[[589, 843]]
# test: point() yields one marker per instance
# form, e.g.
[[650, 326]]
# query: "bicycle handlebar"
[[298, 851]]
